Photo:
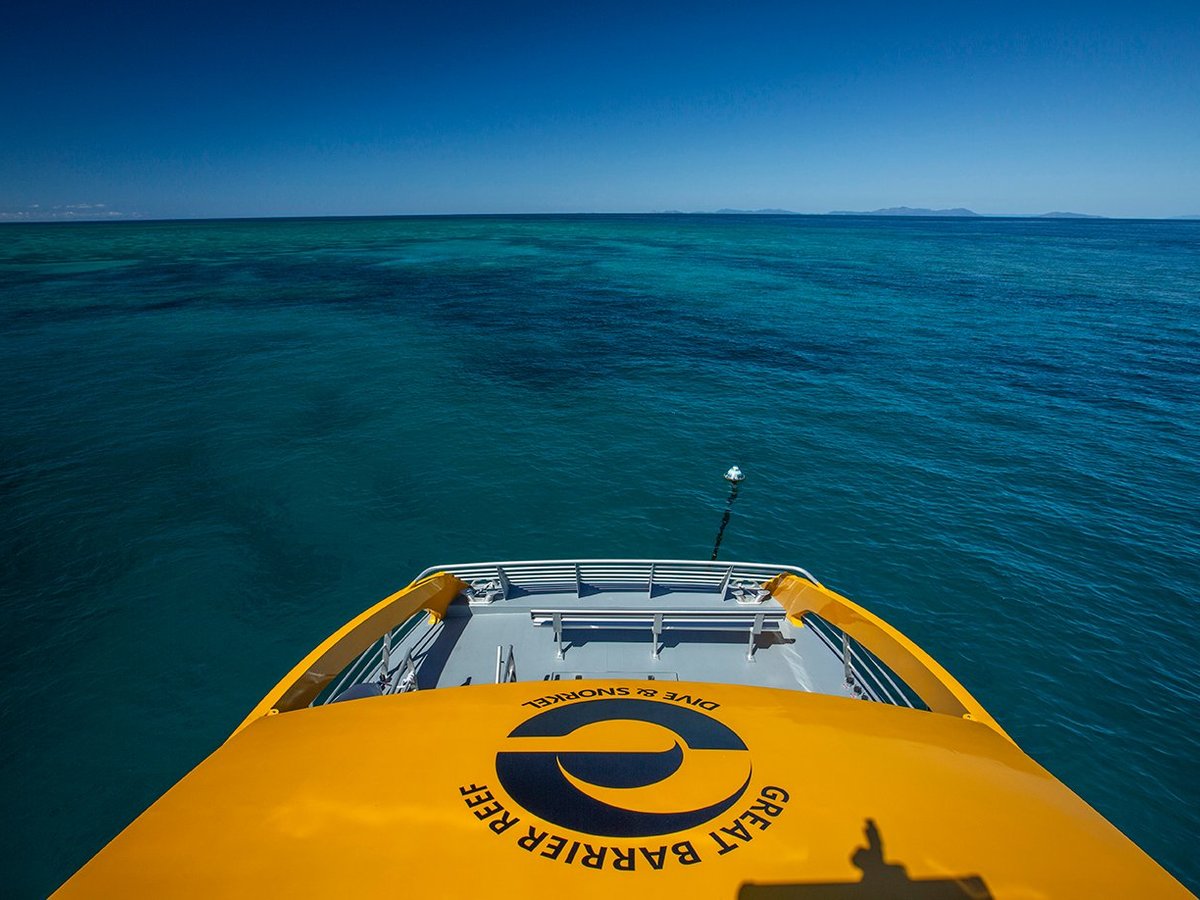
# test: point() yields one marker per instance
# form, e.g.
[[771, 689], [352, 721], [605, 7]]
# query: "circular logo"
[[624, 767]]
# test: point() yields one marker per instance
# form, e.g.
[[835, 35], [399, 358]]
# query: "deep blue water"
[[220, 440]]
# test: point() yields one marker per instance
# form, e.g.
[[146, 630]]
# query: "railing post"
[[385, 662], [506, 667], [755, 631], [408, 680], [557, 619], [655, 631], [723, 589], [847, 665]]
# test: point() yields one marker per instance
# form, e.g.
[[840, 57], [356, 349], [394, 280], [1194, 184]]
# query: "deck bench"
[[754, 621]]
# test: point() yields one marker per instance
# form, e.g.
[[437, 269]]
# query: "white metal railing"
[[377, 663], [864, 672], [577, 576], [499, 578]]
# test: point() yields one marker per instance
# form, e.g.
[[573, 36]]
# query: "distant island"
[[956, 212]]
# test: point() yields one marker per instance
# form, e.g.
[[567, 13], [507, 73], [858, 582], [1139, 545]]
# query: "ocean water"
[[220, 440]]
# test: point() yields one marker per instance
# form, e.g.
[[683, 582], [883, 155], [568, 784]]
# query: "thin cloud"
[[36, 212]]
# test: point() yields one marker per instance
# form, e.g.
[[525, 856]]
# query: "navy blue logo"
[[591, 767]]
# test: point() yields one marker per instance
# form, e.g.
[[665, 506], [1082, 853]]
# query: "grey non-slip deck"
[[791, 658], [466, 646]]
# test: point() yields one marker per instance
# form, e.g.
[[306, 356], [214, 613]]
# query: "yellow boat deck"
[[711, 740]]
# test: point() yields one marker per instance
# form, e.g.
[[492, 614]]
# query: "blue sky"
[[222, 109]]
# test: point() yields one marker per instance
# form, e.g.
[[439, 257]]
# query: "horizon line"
[[723, 213]]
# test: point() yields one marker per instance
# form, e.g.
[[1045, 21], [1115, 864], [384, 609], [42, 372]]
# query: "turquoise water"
[[222, 439]]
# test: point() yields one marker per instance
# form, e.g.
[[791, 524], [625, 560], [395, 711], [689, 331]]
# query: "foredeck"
[[496, 772], [639, 619]]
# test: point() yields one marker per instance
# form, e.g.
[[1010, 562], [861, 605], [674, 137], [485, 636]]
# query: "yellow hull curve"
[[410, 792], [313, 673], [938, 688], [569, 784]]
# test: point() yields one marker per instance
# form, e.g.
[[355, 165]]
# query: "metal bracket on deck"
[[749, 593], [483, 591], [506, 668], [408, 675], [848, 666], [505, 583], [755, 631], [385, 662]]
